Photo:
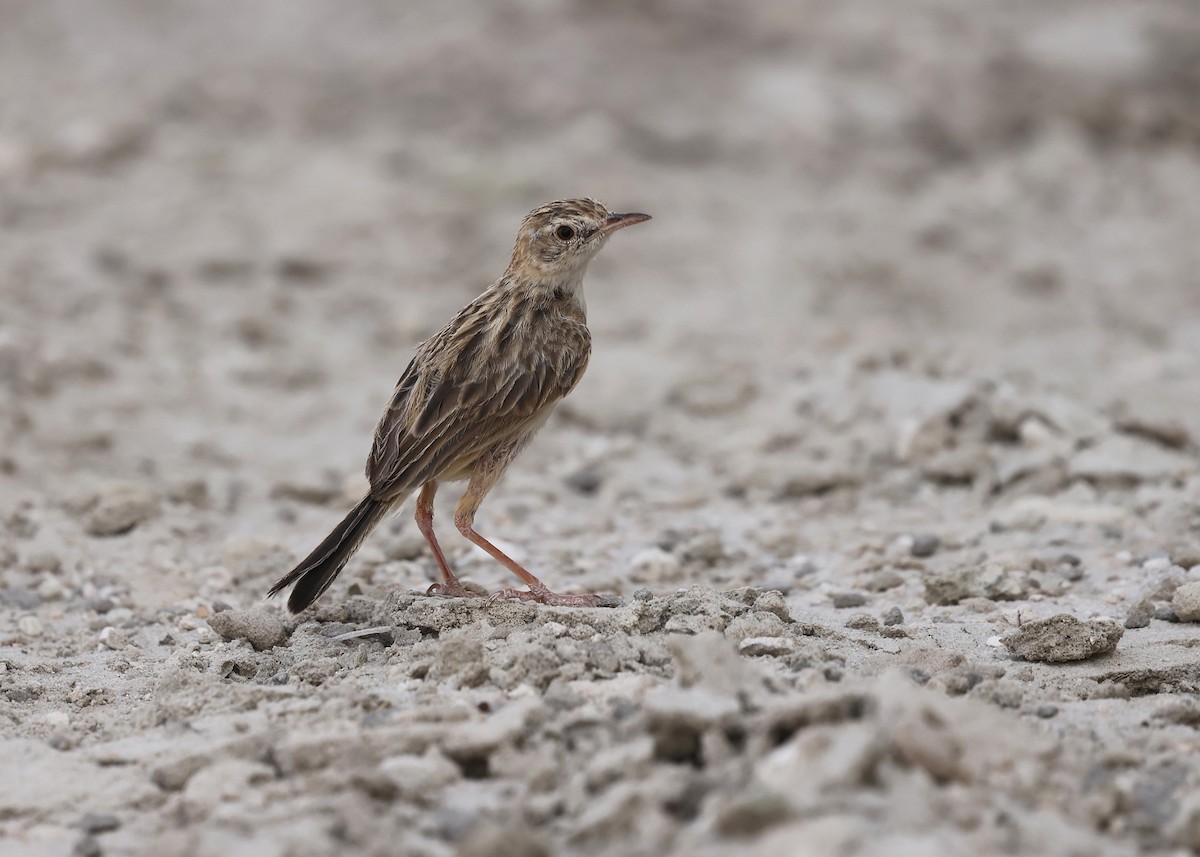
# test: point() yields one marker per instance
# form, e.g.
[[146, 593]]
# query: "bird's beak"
[[619, 221]]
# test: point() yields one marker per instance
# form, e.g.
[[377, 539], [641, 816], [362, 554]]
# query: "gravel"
[[1062, 638], [993, 581], [95, 822], [30, 626], [844, 600], [120, 507], [1140, 614], [925, 545], [1165, 613], [842, 333], [1186, 602], [263, 630]]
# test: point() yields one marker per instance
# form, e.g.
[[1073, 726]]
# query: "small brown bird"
[[475, 394]]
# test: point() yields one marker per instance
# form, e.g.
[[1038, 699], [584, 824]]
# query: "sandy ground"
[[905, 364]]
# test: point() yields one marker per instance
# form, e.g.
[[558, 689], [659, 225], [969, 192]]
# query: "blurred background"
[[225, 225], [913, 338]]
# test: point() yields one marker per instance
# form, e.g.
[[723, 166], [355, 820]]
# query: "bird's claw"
[[451, 590], [542, 595]]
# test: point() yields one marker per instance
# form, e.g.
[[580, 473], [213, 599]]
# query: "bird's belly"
[[458, 472], [502, 449]]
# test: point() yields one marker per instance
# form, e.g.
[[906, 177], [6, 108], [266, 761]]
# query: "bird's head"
[[557, 240]]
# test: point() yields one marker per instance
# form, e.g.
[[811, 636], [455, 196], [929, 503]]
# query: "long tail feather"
[[321, 567]]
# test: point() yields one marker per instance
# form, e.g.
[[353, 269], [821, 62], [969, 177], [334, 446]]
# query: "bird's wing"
[[462, 394]]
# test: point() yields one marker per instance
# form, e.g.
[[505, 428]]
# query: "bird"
[[474, 395]]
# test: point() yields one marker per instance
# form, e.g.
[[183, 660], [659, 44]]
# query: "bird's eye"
[[566, 233]]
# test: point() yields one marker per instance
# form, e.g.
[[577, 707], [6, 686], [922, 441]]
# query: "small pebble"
[[752, 812], [191, 491], [842, 600], [917, 674], [304, 269], [1162, 586], [802, 565], [42, 561], [1140, 614], [863, 622], [99, 605], [1186, 602], [623, 709], [51, 589], [1063, 638], [114, 639], [261, 628], [87, 847], [773, 602], [586, 481], [778, 581], [423, 774], [404, 546], [1164, 613], [893, 616], [755, 646], [755, 623], [21, 599], [925, 544], [98, 822], [885, 579], [371, 556], [654, 565], [512, 839], [119, 616], [119, 508], [703, 548], [30, 626], [1046, 711]]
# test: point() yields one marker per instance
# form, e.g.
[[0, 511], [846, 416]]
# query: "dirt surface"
[[904, 367]]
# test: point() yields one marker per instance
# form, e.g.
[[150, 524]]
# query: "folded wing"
[[445, 413]]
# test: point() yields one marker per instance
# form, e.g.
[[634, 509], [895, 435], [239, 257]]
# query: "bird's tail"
[[321, 567]]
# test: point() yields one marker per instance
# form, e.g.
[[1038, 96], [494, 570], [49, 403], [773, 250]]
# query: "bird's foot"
[[542, 595], [453, 589]]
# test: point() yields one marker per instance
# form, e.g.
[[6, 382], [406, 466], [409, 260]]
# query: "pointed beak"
[[619, 221]]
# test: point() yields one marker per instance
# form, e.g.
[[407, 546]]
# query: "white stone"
[[420, 774], [654, 565], [753, 646]]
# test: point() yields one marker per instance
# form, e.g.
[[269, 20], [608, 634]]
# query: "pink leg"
[[487, 472], [451, 587]]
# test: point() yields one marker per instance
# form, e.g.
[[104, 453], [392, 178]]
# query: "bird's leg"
[[486, 473], [451, 586]]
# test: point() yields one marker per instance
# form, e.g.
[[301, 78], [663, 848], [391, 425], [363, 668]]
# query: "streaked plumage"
[[476, 392]]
